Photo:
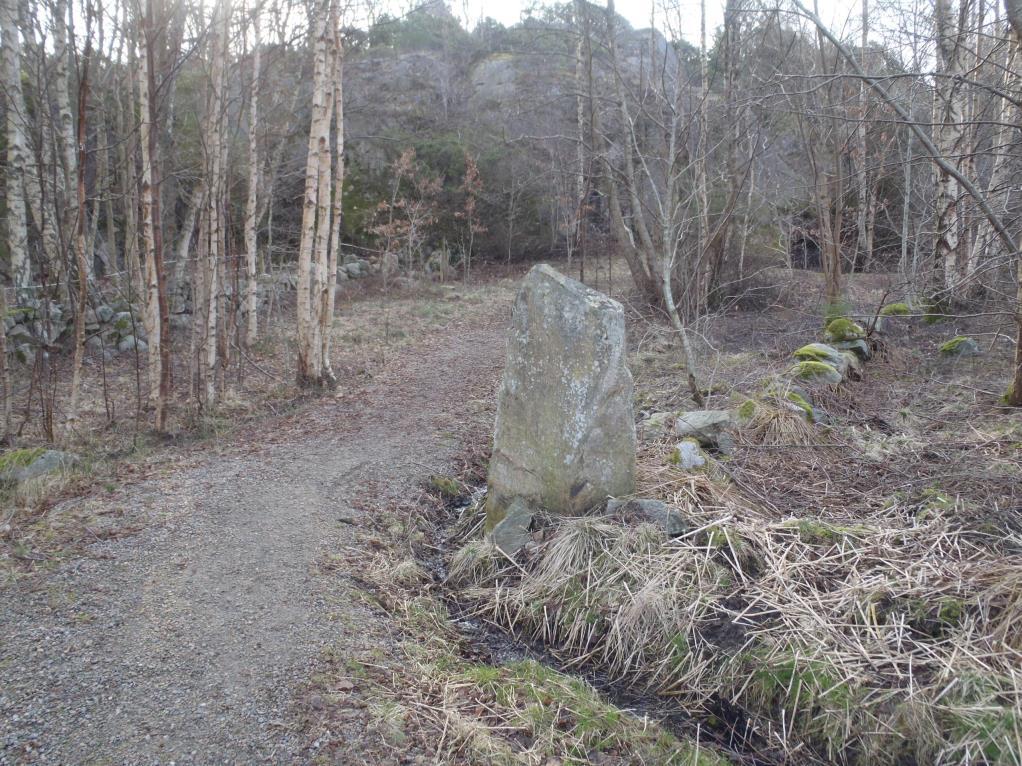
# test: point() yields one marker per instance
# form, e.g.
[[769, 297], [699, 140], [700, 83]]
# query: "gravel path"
[[188, 642]]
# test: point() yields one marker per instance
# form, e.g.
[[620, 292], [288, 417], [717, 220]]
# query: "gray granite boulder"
[[564, 438]]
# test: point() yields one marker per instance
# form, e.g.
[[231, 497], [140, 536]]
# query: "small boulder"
[[859, 347], [841, 329], [21, 465], [511, 533], [817, 373], [653, 511], [819, 352], [688, 455], [123, 322], [705, 426], [104, 313], [131, 343], [564, 437], [960, 346], [896, 310], [656, 424]]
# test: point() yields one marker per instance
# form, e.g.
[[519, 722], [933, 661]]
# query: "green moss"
[[951, 611], [813, 352], [19, 458], [843, 328], [819, 532], [797, 399], [747, 410], [573, 724], [1006, 397], [895, 310], [802, 687], [810, 370], [446, 486], [954, 345]]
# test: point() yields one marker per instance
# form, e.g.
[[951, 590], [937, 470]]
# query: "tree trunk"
[[80, 238], [315, 214], [863, 245], [157, 314], [251, 208], [1014, 398], [215, 148], [70, 209], [949, 135], [326, 317], [17, 151]]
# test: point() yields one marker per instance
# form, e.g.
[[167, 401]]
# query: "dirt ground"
[[188, 641]]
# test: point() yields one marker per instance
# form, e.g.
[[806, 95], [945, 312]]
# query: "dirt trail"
[[188, 642]]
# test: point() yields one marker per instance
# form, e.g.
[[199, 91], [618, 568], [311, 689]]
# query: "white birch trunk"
[[215, 181], [17, 151], [65, 119], [317, 189], [252, 206], [151, 316], [330, 287]]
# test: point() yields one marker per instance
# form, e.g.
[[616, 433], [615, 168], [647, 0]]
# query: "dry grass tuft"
[[779, 423]]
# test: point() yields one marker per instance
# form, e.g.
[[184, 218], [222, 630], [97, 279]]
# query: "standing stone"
[[564, 440]]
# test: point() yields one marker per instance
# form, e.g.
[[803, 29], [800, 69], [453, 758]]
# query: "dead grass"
[[440, 693], [848, 594]]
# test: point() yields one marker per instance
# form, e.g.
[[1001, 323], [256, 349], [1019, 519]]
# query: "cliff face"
[[506, 97]]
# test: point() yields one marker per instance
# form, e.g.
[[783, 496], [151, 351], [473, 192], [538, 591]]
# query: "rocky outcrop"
[[564, 439]]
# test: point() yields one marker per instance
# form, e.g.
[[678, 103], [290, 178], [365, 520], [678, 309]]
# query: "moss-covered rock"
[[859, 347], [23, 464], [688, 455], [843, 328], [818, 352], [794, 397], [960, 345], [19, 458], [816, 372], [895, 310]]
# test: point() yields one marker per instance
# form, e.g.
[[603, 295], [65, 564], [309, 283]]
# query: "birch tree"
[[157, 313], [313, 254], [17, 151], [252, 205], [950, 23], [81, 236], [212, 264]]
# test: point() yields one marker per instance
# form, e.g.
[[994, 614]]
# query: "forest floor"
[[272, 589]]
